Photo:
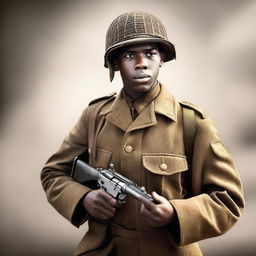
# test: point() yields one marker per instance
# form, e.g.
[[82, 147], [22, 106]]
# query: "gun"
[[114, 183]]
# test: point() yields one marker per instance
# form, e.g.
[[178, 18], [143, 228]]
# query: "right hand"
[[100, 204]]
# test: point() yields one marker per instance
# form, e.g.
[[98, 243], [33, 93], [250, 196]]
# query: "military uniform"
[[149, 149]]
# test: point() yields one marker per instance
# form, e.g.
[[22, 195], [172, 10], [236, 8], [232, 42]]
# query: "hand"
[[100, 204], [157, 214]]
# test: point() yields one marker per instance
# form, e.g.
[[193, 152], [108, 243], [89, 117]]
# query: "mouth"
[[142, 76]]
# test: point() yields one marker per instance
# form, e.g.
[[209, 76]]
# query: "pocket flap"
[[164, 164]]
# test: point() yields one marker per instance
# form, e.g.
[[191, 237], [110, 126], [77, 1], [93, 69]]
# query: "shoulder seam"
[[189, 105], [107, 97]]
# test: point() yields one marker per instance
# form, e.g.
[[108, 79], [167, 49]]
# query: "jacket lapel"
[[119, 113], [146, 118], [166, 105]]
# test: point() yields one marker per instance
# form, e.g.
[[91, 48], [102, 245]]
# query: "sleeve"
[[62, 192], [218, 195]]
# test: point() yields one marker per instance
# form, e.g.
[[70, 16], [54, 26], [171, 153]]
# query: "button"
[[128, 148], [163, 166]]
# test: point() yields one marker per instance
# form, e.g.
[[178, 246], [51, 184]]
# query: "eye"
[[150, 54], [129, 55]]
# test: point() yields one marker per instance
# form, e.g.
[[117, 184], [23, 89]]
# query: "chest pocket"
[[102, 158], [164, 174]]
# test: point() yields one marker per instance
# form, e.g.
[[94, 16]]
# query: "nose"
[[141, 62]]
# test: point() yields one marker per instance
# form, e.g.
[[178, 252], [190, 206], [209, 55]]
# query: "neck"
[[137, 95]]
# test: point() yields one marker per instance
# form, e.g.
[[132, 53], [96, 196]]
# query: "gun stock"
[[82, 172]]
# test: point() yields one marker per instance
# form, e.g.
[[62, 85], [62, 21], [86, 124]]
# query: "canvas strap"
[[189, 134]]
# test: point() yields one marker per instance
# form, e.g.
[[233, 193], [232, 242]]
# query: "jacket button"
[[128, 149], [163, 166]]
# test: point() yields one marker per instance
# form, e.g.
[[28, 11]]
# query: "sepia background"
[[52, 66]]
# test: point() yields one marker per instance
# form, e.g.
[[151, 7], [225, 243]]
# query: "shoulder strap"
[[189, 132], [92, 131]]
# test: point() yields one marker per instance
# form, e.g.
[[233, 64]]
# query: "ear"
[[162, 59], [115, 65]]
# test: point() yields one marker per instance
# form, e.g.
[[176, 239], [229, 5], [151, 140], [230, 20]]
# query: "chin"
[[139, 87], [142, 85], [143, 88]]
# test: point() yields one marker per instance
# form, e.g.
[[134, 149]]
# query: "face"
[[139, 68]]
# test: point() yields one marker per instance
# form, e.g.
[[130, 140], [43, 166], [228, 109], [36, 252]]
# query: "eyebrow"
[[146, 50]]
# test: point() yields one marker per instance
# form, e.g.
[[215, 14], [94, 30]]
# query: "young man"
[[142, 132]]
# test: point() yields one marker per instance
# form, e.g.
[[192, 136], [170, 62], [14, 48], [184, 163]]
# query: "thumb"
[[158, 198]]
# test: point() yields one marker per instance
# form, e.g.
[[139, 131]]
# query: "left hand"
[[157, 214]]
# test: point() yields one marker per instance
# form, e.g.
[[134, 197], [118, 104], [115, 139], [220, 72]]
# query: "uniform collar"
[[118, 113], [142, 102], [165, 104]]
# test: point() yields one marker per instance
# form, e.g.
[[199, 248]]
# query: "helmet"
[[132, 28]]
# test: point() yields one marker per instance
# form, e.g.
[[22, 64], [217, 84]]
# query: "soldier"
[[197, 193]]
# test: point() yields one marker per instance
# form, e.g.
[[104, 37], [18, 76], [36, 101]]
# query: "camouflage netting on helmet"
[[133, 28]]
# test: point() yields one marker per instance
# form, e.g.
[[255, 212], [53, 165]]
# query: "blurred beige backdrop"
[[52, 66]]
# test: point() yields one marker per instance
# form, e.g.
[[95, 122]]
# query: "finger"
[[108, 214], [100, 209], [158, 198], [112, 201], [105, 204], [145, 212], [100, 215], [148, 204], [102, 202], [147, 218]]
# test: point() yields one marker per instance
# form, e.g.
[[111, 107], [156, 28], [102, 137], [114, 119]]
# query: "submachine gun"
[[114, 183]]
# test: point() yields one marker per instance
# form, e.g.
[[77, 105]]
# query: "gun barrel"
[[137, 193]]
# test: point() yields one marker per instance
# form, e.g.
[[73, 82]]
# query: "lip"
[[142, 76]]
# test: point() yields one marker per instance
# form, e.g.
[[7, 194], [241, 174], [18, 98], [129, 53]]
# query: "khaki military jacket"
[[150, 151]]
